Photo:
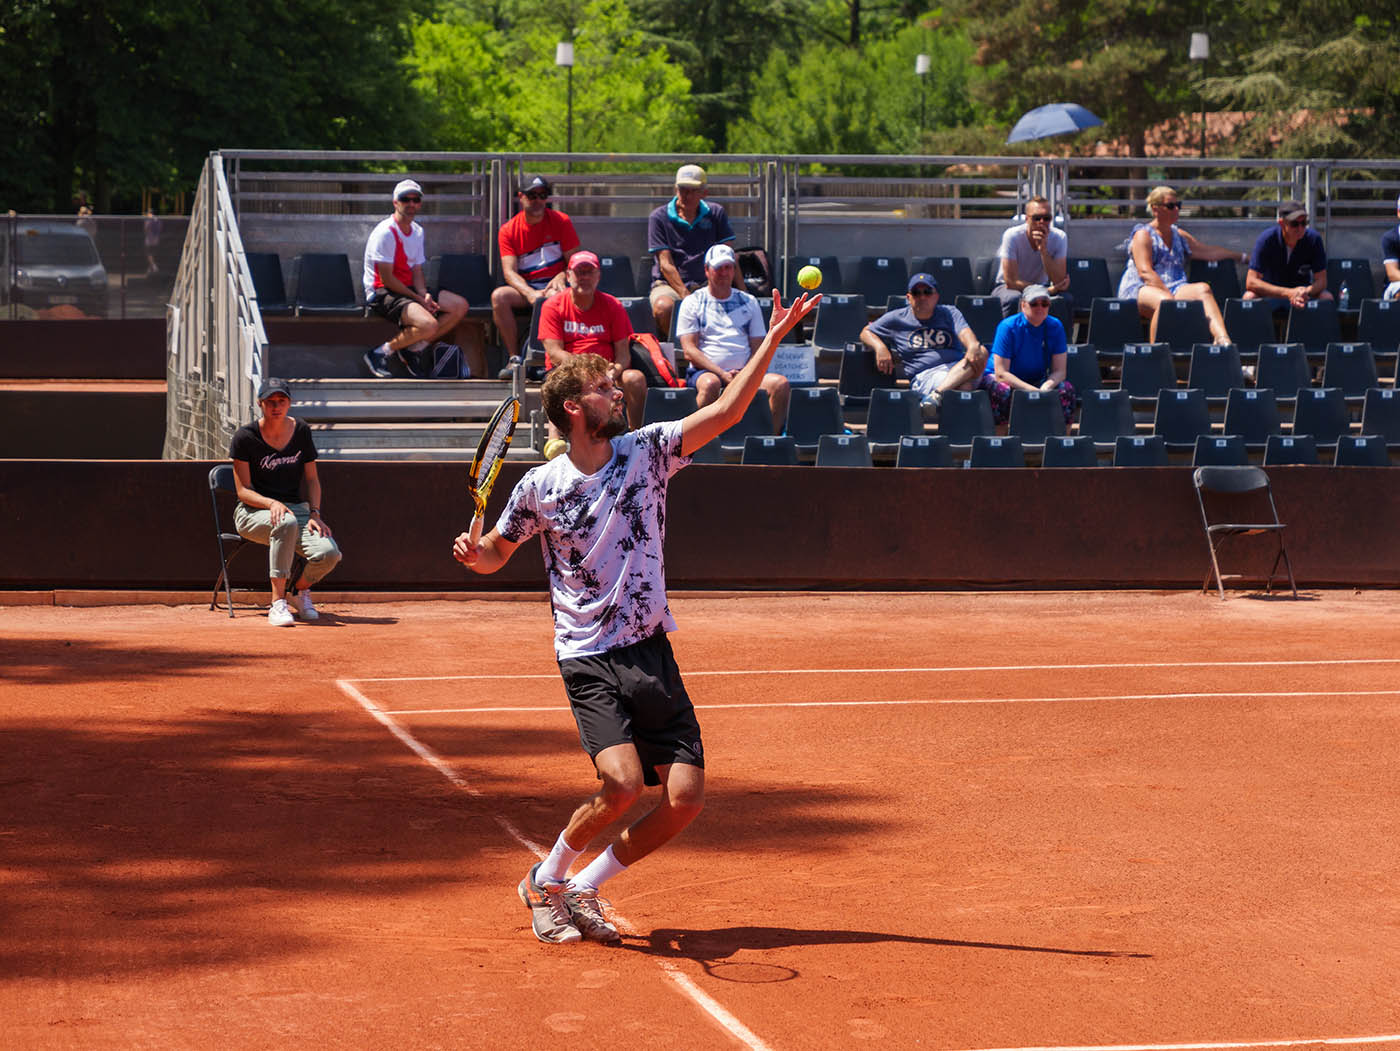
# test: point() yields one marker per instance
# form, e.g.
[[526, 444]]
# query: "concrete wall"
[[149, 525]]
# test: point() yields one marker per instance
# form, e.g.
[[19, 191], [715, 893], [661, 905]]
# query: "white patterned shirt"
[[602, 536]]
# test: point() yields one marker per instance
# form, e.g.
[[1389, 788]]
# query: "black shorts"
[[634, 694], [389, 305]]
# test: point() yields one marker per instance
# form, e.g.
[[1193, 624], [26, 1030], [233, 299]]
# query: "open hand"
[[785, 319]]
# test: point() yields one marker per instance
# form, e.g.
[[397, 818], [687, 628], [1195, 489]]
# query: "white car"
[[52, 263]]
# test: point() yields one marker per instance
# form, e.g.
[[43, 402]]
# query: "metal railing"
[[214, 333]]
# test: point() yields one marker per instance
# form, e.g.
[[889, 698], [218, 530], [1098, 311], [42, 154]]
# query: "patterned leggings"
[[1000, 394]]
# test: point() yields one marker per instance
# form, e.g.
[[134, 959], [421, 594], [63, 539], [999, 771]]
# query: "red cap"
[[578, 259]]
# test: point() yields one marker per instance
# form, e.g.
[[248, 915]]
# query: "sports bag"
[[758, 276], [650, 358], [445, 362]]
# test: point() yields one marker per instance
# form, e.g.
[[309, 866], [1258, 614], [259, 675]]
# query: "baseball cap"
[[535, 182], [1290, 210], [584, 258], [272, 385], [718, 255], [1033, 292], [691, 176], [921, 279], [407, 186]]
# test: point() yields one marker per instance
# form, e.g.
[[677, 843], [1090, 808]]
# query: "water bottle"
[[1346, 296]]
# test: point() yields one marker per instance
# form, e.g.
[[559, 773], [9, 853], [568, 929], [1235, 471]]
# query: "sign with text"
[[797, 363]]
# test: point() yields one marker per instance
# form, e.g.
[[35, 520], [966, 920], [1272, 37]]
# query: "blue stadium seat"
[[469, 275], [839, 321], [812, 412], [1215, 369], [920, 450], [1322, 413], [1362, 451], [668, 403], [1350, 367], [773, 450], [1147, 450], [1220, 450], [990, 450], [983, 315], [615, 277], [1380, 415], [1082, 368], [1106, 415], [1181, 417], [325, 285], [265, 268], [1314, 325], [1250, 323], [1283, 367], [1222, 276], [1286, 450], [1113, 323], [843, 450], [878, 277], [1181, 324], [953, 274], [1252, 414], [1064, 451]]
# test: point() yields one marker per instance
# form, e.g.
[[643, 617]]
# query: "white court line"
[[698, 996], [1208, 1047], [954, 669], [934, 701]]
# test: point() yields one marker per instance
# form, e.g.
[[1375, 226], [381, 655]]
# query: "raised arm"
[[714, 419]]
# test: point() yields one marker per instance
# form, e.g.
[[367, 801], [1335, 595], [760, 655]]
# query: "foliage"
[[489, 88], [851, 100]]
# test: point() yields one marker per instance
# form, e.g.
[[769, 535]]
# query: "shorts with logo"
[[634, 694]]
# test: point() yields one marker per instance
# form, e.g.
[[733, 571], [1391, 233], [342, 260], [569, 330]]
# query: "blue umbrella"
[[1057, 118]]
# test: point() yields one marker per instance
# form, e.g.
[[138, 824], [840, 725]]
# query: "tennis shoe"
[[509, 371], [302, 605], [586, 910], [932, 404], [549, 915], [377, 361], [279, 616]]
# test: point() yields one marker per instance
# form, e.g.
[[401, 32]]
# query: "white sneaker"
[[302, 605], [279, 616]]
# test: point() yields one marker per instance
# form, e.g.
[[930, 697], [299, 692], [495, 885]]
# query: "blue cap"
[[921, 279]]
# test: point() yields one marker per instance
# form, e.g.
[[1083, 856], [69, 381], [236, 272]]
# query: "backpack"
[[652, 361], [753, 266]]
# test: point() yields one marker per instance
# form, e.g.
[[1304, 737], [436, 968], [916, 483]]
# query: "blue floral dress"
[[1169, 262]]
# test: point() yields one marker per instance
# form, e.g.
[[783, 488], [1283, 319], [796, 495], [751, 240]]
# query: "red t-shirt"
[[591, 331], [539, 249]]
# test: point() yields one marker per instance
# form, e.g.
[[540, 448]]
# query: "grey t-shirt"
[[1030, 268]]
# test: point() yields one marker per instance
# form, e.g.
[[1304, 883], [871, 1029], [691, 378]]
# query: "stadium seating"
[[813, 412], [1106, 415], [1181, 417], [1250, 323], [469, 275], [1066, 451], [829, 265], [1215, 369], [878, 277], [843, 450], [1356, 275], [1350, 367], [1252, 414], [1361, 451], [774, 450], [1082, 368], [1314, 325], [1089, 280], [1147, 369], [1035, 416], [984, 275], [325, 285], [859, 377], [1286, 450], [983, 315], [1380, 415], [1140, 451], [953, 274], [265, 268], [894, 414], [839, 321], [1220, 274], [1112, 324], [639, 313], [990, 450], [1322, 413], [965, 414], [757, 419], [1219, 450], [1284, 367], [1379, 325], [920, 450], [1181, 324], [615, 277], [668, 403]]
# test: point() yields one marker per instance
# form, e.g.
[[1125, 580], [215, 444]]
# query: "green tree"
[[858, 100]]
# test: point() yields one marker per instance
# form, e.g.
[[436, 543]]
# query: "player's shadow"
[[710, 947]]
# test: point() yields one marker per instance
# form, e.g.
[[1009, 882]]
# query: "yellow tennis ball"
[[809, 277], [554, 447]]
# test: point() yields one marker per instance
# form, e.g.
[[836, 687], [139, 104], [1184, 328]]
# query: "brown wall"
[[87, 349], [140, 524]]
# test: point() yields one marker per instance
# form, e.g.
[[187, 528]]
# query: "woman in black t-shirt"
[[279, 494]]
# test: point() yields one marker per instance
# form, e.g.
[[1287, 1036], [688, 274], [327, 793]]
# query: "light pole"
[[921, 68], [564, 56], [1200, 52]]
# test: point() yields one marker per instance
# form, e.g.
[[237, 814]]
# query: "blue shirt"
[[1271, 260], [1029, 349], [921, 345], [687, 242]]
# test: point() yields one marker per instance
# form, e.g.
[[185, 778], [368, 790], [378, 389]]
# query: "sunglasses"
[[410, 199], [921, 291], [1173, 205], [536, 195], [1041, 303], [1297, 224], [1038, 218]]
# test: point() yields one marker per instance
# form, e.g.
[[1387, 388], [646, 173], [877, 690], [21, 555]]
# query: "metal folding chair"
[[1235, 482]]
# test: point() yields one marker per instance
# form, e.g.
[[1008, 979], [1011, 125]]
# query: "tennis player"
[[600, 513]]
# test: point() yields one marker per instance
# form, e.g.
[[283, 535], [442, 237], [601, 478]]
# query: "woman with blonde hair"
[[1156, 270]]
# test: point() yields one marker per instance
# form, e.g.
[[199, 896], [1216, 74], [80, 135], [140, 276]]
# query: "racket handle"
[[476, 529]]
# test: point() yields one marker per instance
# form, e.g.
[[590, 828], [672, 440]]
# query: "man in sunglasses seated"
[[937, 349], [396, 289], [1034, 253], [535, 246], [1289, 261]]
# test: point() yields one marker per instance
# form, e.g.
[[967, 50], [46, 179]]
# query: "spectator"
[[1029, 352], [535, 247], [678, 235], [1390, 258], [1289, 261], [1156, 269], [151, 237], [583, 320], [937, 349], [279, 494], [1033, 254], [85, 220], [720, 327], [396, 289]]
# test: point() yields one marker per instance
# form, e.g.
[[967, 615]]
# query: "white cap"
[[691, 176], [718, 255], [407, 186]]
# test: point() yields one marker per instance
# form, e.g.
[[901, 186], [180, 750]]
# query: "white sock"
[[384, 348], [417, 347], [598, 871], [555, 868]]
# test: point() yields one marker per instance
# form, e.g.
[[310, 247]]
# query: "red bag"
[[649, 358]]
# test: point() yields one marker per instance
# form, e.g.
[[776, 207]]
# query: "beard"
[[607, 427]]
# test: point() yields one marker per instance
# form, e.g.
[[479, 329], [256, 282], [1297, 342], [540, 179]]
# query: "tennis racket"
[[486, 464]]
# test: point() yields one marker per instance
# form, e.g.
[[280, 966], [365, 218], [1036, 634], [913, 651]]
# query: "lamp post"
[[921, 68], [1200, 52], [564, 56]]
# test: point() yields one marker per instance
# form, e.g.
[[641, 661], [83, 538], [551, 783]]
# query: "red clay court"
[[956, 821]]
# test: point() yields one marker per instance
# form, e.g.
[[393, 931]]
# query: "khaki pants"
[[288, 538]]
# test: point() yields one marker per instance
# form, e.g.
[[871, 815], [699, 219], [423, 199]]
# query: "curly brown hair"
[[566, 382]]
